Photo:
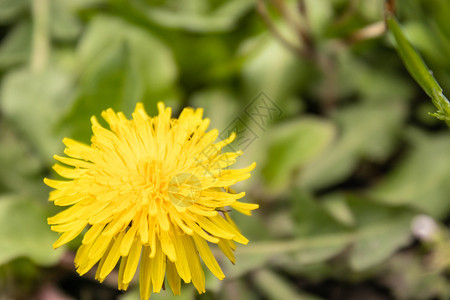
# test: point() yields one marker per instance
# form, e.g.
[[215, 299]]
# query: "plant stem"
[[41, 43]]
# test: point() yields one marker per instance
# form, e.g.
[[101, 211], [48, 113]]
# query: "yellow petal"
[[198, 277], [158, 268], [229, 227], [244, 208], [145, 276], [69, 235], [213, 228], [207, 256], [132, 262], [73, 162], [143, 228], [167, 245], [111, 258], [173, 278], [226, 249], [197, 229], [128, 239], [122, 285], [99, 246], [92, 233], [181, 263]]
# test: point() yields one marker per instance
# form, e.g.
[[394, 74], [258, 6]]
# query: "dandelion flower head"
[[152, 193]]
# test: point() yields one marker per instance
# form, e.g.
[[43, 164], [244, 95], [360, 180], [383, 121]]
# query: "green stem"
[[41, 40]]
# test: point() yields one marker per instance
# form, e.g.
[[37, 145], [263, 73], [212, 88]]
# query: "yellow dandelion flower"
[[152, 192]]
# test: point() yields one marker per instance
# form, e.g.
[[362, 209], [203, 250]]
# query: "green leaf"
[[323, 237], [103, 87], [380, 232], [22, 90], [219, 105], [372, 81], [237, 287], [419, 71], [121, 65], [422, 178], [24, 232], [16, 46], [246, 260], [318, 237], [10, 9], [64, 23], [273, 69], [337, 207], [197, 15], [292, 145], [21, 167], [148, 57], [368, 131], [320, 13], [429, 40], [275, 287]]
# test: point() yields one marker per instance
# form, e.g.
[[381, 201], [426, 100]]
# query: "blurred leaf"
[[280, 224], [212, 284], [323, 237], [21, 168], [64, 24], [380, 232], [274, 70], [372, 80], [24, 232], [234, 289], [15, 48], [149, 57], [422, 178], [104, 87], [368, 131], [292, 145], [274, 286], [412, 60], [187, 293], [246, 261], [197, 15], [121, 65], [409, 278], [336, 206], [429, 40], [371, 10], [320, 13], [219, 104], [321, 247], [314, 272], [10, 9], [420, 71], [21, 90]]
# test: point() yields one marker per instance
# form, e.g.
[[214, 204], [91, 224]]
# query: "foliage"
[[348, 159]]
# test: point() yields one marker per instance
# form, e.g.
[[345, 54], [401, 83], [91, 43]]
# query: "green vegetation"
[[353, 164]]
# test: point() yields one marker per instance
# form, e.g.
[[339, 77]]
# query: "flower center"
[[182, 189], [153, 181]]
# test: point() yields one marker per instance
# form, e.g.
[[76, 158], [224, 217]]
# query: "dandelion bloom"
[[150, 190]]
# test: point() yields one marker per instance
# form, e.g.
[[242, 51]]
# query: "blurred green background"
[[352, 176]]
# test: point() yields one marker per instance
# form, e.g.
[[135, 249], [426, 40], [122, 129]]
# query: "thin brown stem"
[[302, 30], [262, 10], [390, 6], [305, 30]]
